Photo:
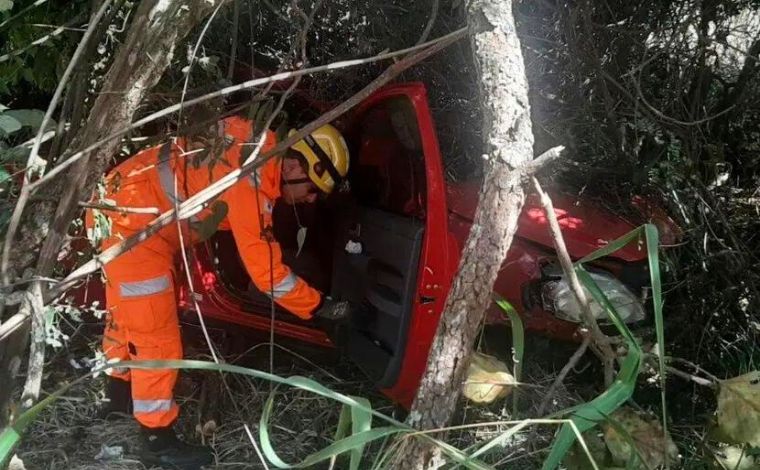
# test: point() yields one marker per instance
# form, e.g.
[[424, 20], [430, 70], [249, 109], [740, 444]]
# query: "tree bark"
[[147, 51], [509, 149]]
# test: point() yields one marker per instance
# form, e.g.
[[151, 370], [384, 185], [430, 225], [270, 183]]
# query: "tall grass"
[[355, 426]]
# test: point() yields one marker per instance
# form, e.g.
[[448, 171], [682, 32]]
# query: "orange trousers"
[[141, 322]]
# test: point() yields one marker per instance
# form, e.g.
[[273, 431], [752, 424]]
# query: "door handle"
[[424, 300]]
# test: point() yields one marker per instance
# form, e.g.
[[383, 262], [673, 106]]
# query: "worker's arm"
[[262, 258]]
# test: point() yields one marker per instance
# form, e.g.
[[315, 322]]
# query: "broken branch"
[[601, 341]]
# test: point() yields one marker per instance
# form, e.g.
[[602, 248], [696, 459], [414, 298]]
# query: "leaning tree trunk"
[[141, 60], [509, 147]]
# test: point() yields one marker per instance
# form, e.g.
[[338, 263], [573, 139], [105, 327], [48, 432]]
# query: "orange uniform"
[[140, 294]]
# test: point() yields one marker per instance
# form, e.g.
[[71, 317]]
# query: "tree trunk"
[[509, 147], [139, 64]]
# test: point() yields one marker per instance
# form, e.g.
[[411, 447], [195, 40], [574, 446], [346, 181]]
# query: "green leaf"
[[739, 409], [638, 442], [29, 117], [518, 344], [6, 5], [8, 124]]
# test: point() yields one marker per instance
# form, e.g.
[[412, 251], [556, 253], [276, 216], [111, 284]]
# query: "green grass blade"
[[613, 246], [360, 422], [653, 253], [304, 383], [518, 344], [589, 414], [9, 439]]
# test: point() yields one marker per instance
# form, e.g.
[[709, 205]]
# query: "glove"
[[333, 317]]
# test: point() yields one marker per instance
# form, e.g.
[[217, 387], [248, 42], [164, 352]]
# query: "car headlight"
[[558, 297]]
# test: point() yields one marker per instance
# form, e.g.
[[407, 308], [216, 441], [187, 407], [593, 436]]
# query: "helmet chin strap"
[[324, 159]]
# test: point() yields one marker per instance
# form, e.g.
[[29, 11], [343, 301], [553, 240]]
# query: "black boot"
[[161, 447], [119, 396]]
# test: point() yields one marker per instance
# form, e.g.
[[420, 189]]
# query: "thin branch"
[[233, 48], [431, 21], [243, 86], [694, 366], [571, 363], [22, 12], [122, 210], [26, 189], [600, 339], [41, 40], [37, 347], [691, 377], [543, 160]]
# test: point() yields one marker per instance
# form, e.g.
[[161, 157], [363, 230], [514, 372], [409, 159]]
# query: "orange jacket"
[[249, 203]]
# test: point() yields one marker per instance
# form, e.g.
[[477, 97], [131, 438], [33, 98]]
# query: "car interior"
[[363, 242]]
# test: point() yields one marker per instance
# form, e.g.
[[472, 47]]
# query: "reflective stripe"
[[117, 371], [255, 178], [284, 287], [146, 287], [166, 175], [152, 406]]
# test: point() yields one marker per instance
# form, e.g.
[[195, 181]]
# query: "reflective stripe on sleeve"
[[284, 287], [166, 175], [146, 287], [152, 406]]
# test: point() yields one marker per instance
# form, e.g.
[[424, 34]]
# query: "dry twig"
[[600, 340]]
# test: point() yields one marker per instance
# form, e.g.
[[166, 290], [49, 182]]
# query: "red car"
[[394, 250]]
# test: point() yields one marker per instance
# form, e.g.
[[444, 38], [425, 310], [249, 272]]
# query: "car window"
[[389, 172]]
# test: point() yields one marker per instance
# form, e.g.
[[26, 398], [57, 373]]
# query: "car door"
[[392, 251]]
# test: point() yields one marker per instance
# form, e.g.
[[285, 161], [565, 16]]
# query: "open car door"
[[391, 257]]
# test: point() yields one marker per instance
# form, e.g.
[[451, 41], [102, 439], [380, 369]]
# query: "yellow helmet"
[[326, 156]]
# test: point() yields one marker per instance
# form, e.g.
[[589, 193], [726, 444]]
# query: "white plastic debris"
[[353, 248], [110, 452]]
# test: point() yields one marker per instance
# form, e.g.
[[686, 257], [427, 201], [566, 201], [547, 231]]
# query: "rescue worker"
[[140, 284]]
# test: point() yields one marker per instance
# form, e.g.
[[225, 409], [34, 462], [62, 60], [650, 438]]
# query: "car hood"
[[585, 226]]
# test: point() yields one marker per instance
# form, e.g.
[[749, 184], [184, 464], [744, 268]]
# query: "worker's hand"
[[333, 317], [332, 310]]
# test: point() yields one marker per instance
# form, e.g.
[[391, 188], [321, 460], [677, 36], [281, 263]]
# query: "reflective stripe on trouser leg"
[[153, 406], [147, 308]]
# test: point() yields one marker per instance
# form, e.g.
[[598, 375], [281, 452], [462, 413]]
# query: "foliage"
[[37, 68], [628, 440], [662, 99], [739, 409], [15, 126]]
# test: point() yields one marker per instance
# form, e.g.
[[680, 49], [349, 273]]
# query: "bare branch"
[[37, 348], [430, 23], [571, 363], [122, 210], [600, 339], [242, 86]]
